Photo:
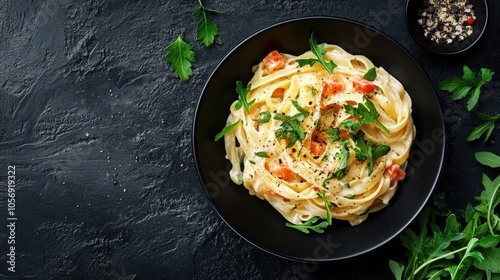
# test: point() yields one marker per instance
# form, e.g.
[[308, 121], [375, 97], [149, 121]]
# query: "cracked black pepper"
[[445, 22]]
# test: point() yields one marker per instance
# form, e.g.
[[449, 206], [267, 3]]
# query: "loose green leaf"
[[396, 269], [206, 30], [242, 93], [180, 56], [486, 128], [342, 169], [266, 117], [310, 225], [488, 159], [366, 113], [371, 74], [469, 84], [319, 52], [226, 129]]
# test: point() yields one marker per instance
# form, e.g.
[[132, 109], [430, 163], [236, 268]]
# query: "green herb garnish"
[[180, 56], [341, 171], [488, 159], [486, 128], [242, 93], [319, 52], [366, 113], [310, 225], [368, 151], [469, 84], [290, 126], [327, 207], [462, 250], [266, 117], [206, 30], [371, 74], [226, 130]]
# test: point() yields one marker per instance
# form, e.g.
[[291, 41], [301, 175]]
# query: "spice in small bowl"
[[447, 21], [446, 26]]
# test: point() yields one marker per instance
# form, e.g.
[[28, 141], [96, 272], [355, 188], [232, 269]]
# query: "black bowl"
[[457, 47], [257, 221]]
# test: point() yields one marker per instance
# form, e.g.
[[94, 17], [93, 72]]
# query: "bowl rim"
[[444, 52], [434, 182]]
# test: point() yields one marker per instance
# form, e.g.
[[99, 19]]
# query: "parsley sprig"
[[469, 84], [319, 52], [180, 55], [207, 30], [462, 250], [366, 113]]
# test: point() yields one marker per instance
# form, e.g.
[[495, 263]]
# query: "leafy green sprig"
[[484, 129], [368, 151], [207, 30], [313, 224], [469, 84], [180, 54], [457, 251], [366, 113], [319, 52], [242, 93], [290, 125]]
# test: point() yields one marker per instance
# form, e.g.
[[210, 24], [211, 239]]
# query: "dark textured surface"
[[99, 130]]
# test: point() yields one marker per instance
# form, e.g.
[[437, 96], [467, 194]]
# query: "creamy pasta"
[[314, 143]]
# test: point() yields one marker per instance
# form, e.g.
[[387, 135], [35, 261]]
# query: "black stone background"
[[99, 130]]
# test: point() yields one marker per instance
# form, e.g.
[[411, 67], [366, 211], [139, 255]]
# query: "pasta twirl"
[[308, 132]]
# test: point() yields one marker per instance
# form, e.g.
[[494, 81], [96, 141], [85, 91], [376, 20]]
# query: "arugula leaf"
[[455, 253], [366, 113], [469, 84], [486, 128], [310, 225], [371, 74], [319, 52], [206, 30], [226, 129], [342, 169], [242, 93], [180, 56], [327, 207], [266, 117], [290, 126], [488, 159], [368, 151], [333, 134]]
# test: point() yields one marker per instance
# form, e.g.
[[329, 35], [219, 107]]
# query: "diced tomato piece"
[[395, 172], [344, 134], [315, 188], [317, 148], [281, 171], [363, 86], [332, 84], [274, 61]]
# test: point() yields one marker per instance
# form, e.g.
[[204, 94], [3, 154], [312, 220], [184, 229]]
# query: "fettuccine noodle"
[[289, 170]]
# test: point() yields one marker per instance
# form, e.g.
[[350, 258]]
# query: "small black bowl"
[[480, 8]]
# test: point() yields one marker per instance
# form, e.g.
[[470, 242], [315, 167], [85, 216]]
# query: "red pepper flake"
[[470, 21]]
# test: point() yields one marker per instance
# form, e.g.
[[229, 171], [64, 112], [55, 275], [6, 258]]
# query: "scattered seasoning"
[[447, 21]]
